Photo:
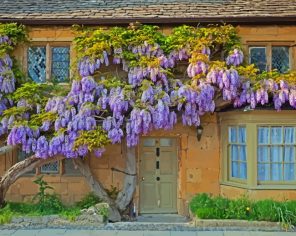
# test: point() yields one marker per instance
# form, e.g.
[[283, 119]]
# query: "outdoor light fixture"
[[199, 130]]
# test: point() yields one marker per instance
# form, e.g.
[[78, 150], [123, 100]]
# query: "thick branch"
[[129, 186], [20, 168]]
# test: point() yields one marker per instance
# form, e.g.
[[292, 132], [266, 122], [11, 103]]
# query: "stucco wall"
[[199, 162]]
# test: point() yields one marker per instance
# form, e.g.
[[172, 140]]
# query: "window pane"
[[37, 64], [242, 153], [289, 154], [149, 142], [165, 142], [280, 59], [234, 152], [235, 171], [243, 170], [232, 135], [22, 156], [70, 168], [263, 172], [276, 135], [50, 168], [242, 135], [263, 135], [258, 57], [60, 63], [289, 170], [276, 171], [289, 135], [263, 154], [276, 154]]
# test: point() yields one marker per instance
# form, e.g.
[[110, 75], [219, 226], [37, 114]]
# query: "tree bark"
[[98, 189], [125, 196], [20, 168]]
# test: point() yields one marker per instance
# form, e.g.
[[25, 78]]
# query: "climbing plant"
[[131, 80]]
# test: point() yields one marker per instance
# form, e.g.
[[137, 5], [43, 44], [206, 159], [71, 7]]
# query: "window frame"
[[48, 48], [252, 120], [230, 177], [268, 45]]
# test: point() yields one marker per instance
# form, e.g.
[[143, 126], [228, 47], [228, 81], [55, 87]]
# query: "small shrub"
[[238, 209], [46, 203], [266, 210], [201, 200], [71, 213], [5, 217], [88, 201], [221, 205], [206, 213]]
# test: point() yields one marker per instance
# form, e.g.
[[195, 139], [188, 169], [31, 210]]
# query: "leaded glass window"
[[37, 64], [276, 153], [258, 57], [280, 59], [237, 151], [60, 63], [70, 168], [50, 168], [22, 156]]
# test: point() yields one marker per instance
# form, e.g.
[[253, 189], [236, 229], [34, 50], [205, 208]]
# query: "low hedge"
[[205, 206]]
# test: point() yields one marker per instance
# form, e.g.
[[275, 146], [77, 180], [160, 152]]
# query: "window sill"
[[260, 187]]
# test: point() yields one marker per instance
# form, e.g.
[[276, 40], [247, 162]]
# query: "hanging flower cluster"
[[146, 95]]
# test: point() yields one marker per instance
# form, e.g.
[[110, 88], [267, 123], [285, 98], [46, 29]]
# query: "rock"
[[100, 207], [91, 210], [82, 211]]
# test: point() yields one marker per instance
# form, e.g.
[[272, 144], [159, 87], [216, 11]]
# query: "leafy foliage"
[[89, 200], [206, 207]]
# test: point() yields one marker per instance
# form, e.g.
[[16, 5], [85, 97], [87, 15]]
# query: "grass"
[[205, 206], [51, 205]]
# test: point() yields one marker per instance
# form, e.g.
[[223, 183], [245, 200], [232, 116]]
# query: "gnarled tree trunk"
[[97, 189], [125, 196], [20, 168]]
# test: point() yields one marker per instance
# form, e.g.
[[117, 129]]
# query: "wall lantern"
[[199, 131]]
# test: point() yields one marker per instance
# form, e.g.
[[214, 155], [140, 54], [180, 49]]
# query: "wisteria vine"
[[101, 109]]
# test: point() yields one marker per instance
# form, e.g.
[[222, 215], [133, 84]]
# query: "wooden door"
[[158, 175]]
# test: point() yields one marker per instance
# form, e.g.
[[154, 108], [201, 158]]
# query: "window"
[[48, 62], [269, 57], [70, 169], [237, 152], [22, 156], [50, 168], [259, 149], [276, 153]]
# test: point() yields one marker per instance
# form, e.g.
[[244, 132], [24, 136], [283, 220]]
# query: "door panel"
[[158, 175]]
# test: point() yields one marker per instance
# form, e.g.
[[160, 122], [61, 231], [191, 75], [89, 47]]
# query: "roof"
[[149, 11]]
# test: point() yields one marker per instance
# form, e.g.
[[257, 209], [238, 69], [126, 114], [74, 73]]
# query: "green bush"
[[206, 207], [238, 209], [88, 201], [266, 210], [206, 213], [201, 200]]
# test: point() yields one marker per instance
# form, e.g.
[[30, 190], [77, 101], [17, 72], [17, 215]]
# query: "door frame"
[[177, 142]]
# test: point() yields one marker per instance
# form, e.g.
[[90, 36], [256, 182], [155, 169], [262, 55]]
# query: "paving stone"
[[211, 233], [6, 232], [186, 233], [90, 233], [50, 232], [22, 232], [129, 233], [156, 233]]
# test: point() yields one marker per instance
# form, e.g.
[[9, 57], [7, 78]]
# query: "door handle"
[[157, 178], [143, 178]]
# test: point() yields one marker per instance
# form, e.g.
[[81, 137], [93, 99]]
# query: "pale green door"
[[158, 175]]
